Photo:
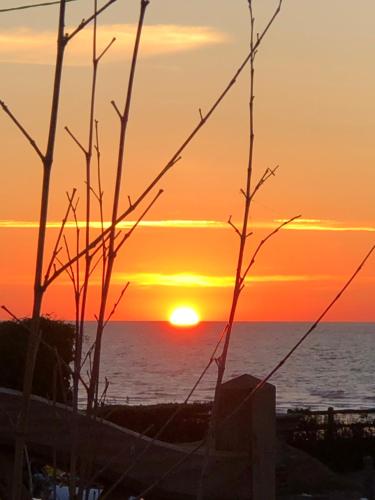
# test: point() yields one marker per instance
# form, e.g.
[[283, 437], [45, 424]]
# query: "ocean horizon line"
[[236, 322]]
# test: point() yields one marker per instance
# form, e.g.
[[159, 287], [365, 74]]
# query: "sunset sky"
[[315, 118]]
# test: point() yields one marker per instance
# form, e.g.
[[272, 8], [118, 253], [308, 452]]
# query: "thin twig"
[[67, 270], [101, 194], [71, 274], [106, 49], [104, 392], [140, 218], [23, 130], [267, 174], [61, 230], [259, 247], [87, 355], [233, 226], [23, 7], [87, 21], [76, 141], [116, 304], [116, 109]]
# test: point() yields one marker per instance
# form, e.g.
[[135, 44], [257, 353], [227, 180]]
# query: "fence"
[[339, 438]]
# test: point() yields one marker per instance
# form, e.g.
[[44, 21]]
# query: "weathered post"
[[250, 430]]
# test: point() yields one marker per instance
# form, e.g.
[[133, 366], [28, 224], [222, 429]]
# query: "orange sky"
[[315, 112]]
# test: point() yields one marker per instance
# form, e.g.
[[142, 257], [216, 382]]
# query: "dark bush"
[[51, 377]]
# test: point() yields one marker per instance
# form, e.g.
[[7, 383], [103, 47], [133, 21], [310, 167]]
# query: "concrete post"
[[251, 430]]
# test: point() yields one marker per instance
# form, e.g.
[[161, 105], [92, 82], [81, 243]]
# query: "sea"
[[155, 362]]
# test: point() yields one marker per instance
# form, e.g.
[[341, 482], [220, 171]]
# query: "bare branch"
[[35, 337], [269, 172], [67, 270], [44, 4], [23, 130], [233, 226], [97, 197], [87, 355], [104, 393], [239, 279], [116, 109], [56, 249], [243, 193], [117, 303], [129, 233], [76, 141], [98, 160], [106, 49], [71, 274], [87, 21], [93, 266], [259, 247]]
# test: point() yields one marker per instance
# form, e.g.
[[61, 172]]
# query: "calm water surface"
[[152, 362]]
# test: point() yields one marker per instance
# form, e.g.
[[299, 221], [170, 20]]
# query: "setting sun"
[[184, 316]]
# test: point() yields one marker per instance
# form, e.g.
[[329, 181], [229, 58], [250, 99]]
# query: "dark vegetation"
[[189, 425], [339, 440], [52, 376]]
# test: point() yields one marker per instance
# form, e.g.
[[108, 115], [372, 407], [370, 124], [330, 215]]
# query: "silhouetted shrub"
[[51, 377]]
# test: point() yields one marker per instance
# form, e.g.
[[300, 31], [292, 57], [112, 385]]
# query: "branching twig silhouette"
[[116, 304], [100, 198], [34, 340], [22, 129], [260, 245], [111, 245], [43, 4], [140, 218], [57, 248], [87, 21], [240, 275], [267, 174], [47, 162], [177, 155]]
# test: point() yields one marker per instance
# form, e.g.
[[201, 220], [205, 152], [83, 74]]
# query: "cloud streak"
[[27, 46], [323, 225], [192, 280], [298, 225], [167, 223]]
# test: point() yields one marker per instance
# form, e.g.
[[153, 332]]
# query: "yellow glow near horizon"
[[184, 316]]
